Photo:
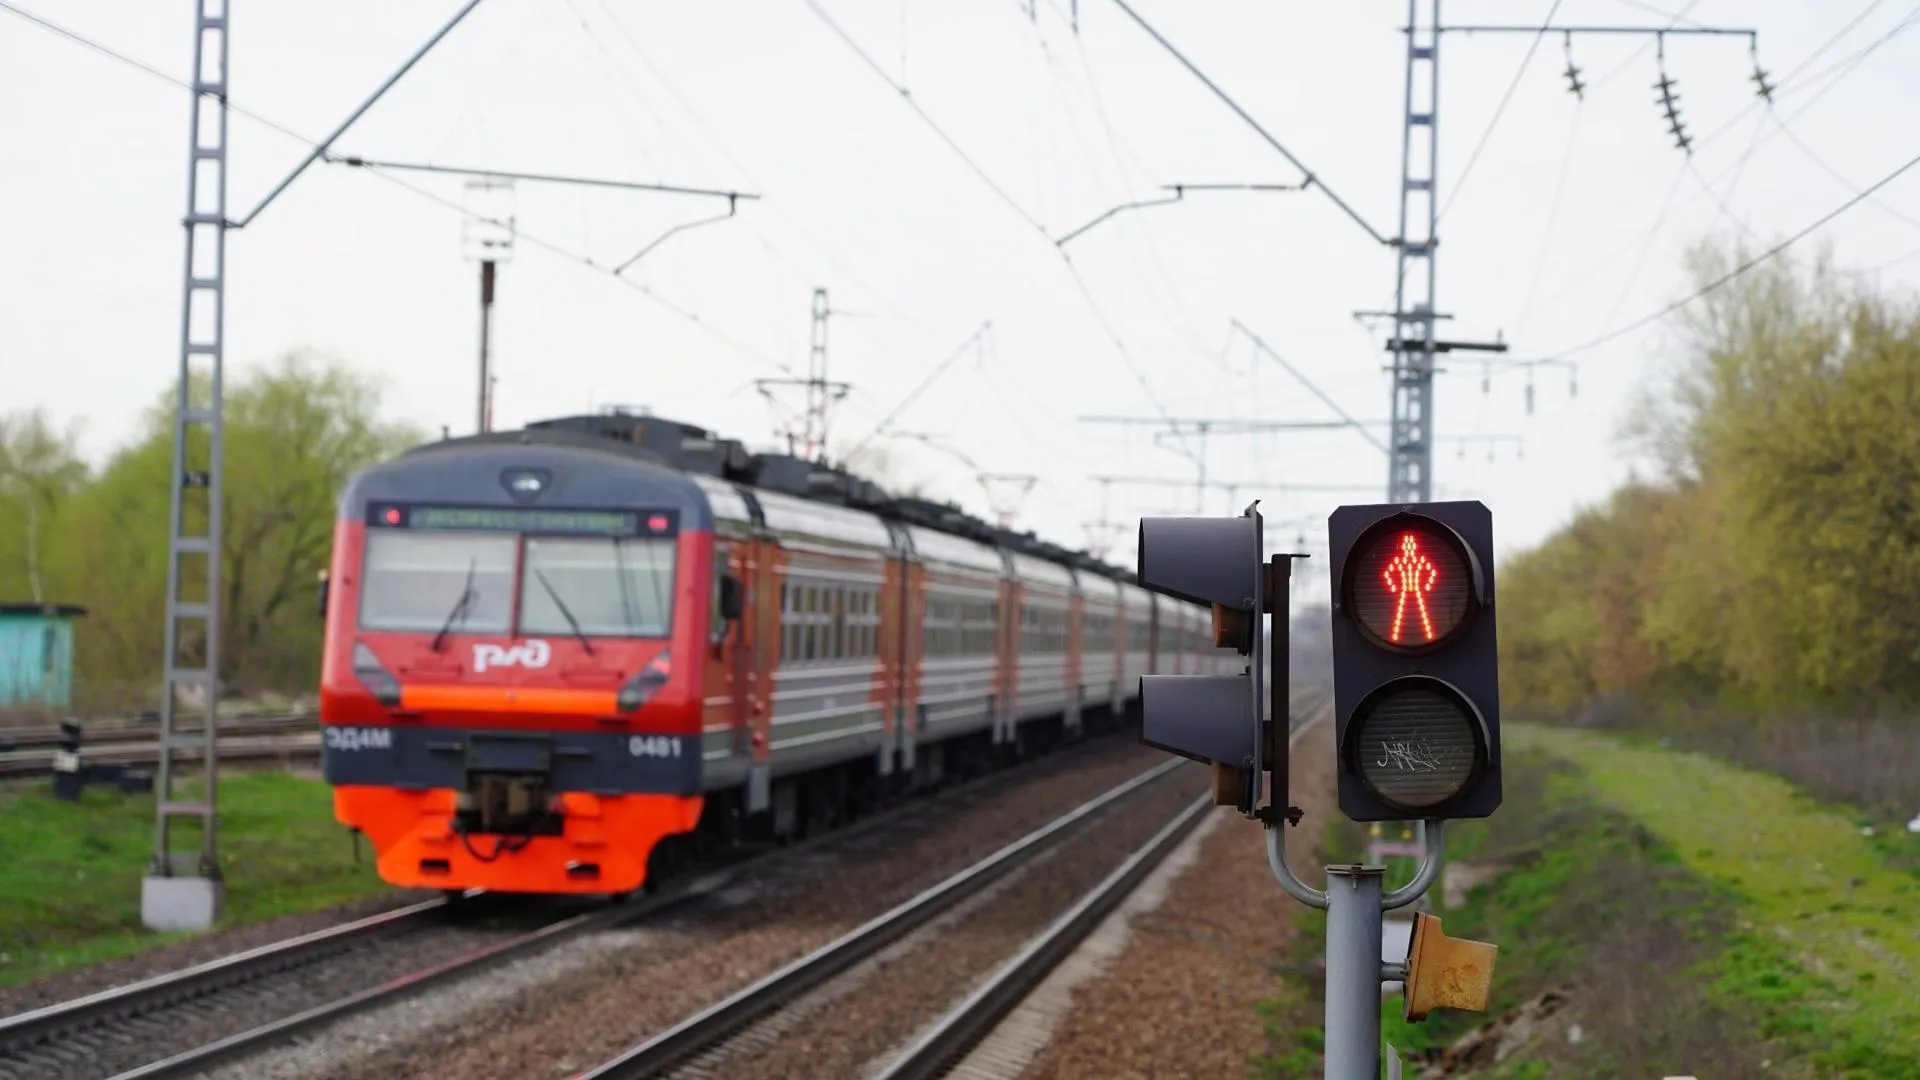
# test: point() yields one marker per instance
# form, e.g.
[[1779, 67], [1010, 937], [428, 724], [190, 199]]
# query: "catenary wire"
[[1744, 267], [1499, 111], [533, 239], [1086, 294]]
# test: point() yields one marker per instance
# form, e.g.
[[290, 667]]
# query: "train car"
[[563, 659]]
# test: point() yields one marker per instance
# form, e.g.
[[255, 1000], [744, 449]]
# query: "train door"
[[1010, 623], [737, 649], [909, 639], [1076, 649]]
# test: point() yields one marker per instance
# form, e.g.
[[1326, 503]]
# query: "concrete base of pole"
[[180, 903]]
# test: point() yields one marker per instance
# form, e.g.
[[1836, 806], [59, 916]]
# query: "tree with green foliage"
[[39, 469], [1775, 559], [295, 431]]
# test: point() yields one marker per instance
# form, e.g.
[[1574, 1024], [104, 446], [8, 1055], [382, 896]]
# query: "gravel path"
[[942, 964], [198, 949], [565, 1009], [1198, 965]]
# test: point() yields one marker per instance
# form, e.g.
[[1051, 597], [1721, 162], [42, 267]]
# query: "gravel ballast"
[[127, 1042], [898, 998], [198, 949], [565, 1009], [1199, 964]]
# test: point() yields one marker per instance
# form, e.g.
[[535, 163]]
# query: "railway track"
[[292, 737], [730, 1037], [187, 1022], [953, 1046]]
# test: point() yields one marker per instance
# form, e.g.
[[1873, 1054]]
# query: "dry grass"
[[1868, 762]]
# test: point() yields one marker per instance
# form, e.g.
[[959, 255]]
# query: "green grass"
[[1823, 952], [70, 872]]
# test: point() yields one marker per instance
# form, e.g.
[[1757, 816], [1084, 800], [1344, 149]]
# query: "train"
[[578, 656]]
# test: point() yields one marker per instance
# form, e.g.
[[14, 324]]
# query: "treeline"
[[295, 430], [1770, 559]]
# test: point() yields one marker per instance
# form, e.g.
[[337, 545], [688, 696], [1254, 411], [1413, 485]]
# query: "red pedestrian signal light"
[[1415, 661], [1410, 587]]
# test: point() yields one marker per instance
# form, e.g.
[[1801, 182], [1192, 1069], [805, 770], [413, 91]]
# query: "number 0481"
[[653, 746]]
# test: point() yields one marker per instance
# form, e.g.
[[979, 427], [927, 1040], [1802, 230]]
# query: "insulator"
[[1573, 383], [1529, 397], [1486, 378], [1489, 453], [1463, 451]]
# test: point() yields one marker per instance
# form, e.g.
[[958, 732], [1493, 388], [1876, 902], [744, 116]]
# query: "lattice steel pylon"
[[1410, 435], [182, 893]]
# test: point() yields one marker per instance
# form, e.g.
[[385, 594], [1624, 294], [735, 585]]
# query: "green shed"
[[36, 654]]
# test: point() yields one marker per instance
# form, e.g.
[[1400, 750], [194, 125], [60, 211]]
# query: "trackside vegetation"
[[1770, 560], [71, 889], [296, 429], [1659, 913]]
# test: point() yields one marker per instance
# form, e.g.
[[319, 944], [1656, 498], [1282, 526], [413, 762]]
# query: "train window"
[[414, 581], [838, 613], [612, 587], [717, 623]]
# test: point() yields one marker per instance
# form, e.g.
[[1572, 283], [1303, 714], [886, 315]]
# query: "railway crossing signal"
[[1416, 676], [1222, 719]]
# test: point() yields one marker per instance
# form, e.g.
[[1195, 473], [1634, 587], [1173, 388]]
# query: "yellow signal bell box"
[[1444, 972]]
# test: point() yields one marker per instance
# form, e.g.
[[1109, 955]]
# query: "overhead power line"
[[1499, 111], [907, 97], [1086, 294], [932, 376], [1309, 177], [1312, 388], [1744, 267], [520, 234]]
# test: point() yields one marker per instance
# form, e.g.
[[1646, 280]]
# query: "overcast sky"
[[1556, 236]]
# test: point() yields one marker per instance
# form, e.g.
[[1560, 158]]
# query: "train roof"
[[690, 448]]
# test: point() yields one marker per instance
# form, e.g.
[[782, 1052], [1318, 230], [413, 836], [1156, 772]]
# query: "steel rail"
[[196, 1061], [717, 1023], [28, 1030], [960, 1030], [38, 1025], [947, 1043], [231, 748]]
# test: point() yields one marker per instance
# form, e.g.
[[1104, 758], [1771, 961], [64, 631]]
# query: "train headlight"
[[645, 683], [374, 676]]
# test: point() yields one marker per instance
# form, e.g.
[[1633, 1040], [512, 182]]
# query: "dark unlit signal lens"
[[1416, 747]]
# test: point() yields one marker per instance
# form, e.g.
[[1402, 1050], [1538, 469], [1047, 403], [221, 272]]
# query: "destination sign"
[[522, 519]]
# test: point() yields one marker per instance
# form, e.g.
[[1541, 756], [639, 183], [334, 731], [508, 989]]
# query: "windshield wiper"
[[564, 613], [467, 596], [626, 586]]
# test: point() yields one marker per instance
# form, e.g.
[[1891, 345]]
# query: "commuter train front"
[[512, 687]]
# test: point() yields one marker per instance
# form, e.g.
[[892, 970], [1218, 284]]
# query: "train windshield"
[[613, 586], [420, 582]]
